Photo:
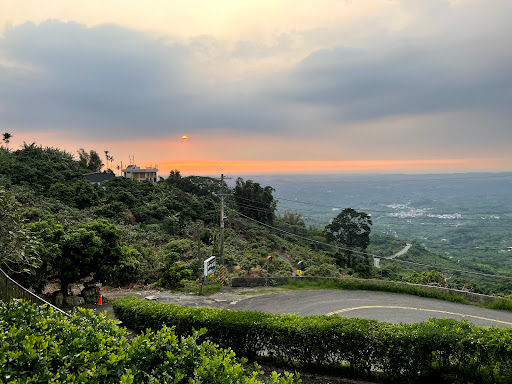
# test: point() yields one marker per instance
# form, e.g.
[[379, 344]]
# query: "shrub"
[[38, 345], [173, 276], [441, 350]]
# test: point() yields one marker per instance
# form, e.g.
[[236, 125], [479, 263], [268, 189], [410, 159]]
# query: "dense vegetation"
[[56, 226], [125, 232], [39, 345], [439, 350]]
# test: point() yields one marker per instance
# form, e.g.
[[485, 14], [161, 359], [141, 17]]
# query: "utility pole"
[[199, 268], [221, 231]]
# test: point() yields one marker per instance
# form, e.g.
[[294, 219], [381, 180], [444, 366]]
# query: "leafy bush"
[[441, 350], [38, 345], [327, 270], [173, 276]]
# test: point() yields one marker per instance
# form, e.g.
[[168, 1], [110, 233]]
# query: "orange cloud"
[[201, 156], [352, 166]]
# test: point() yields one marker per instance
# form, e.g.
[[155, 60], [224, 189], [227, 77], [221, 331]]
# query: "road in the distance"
[[381, 306]]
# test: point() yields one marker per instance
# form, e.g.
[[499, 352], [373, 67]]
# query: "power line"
[[253, 208], [452, 269], [331, 206], [305, 238], [443, 248], [373, 255], [243, 198]]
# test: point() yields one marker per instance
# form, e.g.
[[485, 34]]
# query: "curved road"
[[382, 306], [401, 252]]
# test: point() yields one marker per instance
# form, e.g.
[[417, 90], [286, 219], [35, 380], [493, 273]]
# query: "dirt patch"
[[255, 271]]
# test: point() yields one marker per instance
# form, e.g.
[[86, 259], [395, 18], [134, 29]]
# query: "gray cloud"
[[110, 78], [106, 80], [364, 85]]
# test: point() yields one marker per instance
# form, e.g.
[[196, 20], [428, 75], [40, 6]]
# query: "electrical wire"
[[373, 255], [379, 210], [452, 223]]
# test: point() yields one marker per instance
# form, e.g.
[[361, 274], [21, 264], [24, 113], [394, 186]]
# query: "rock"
[[91, 294], [58, 298], [51, 287], [74, 301], [75, 289], [90, 284], [152, 298]]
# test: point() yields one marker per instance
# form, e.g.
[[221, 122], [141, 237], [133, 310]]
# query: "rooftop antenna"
[[132, 159]]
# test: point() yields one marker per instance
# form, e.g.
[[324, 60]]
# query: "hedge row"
[[38, 345], [444, 350]]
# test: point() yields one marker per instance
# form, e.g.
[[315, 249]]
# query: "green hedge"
[[443, 350], [38, 345]]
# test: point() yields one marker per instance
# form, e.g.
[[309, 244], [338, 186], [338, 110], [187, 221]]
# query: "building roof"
[[98, 177], [135, 169]]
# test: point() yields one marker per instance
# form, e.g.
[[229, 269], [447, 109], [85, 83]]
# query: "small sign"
[[299, 272], [209, 266]]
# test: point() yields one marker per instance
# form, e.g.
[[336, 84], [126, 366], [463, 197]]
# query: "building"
[[140, 174], [98, 177]]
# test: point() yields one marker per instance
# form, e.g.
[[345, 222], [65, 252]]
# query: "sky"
[[267, 86]]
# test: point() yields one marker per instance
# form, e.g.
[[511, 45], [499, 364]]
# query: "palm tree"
[[7, 139], [107, 156]]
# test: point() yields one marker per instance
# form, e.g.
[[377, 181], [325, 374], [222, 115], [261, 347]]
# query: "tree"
[[95, 163], [83, 158], [96, 247], [79, 194], [349, 230], [90, 161], [196, 185], [7, 139], [50, 237], [293, 218], [109, 158], [17, 250], [255, 201]]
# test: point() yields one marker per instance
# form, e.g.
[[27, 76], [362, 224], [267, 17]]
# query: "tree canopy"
[[350, 230], [18, 246], [255, 201], [90, 161]]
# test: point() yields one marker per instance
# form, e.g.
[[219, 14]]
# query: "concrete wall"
[[272, 281]]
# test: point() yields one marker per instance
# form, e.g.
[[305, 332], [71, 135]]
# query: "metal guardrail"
[[10, 289]]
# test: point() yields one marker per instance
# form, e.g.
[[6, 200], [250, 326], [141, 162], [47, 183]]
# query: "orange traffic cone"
[[100, 301]]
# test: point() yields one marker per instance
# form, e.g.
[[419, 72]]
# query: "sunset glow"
[[329, 167]]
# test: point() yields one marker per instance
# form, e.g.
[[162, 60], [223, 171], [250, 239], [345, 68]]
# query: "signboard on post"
[[209, 266]]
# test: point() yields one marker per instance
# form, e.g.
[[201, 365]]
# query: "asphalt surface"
[[381, 306]]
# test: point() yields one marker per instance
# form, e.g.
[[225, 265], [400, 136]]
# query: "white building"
[[140, 174]]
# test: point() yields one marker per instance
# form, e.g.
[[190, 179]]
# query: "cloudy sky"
[[263, 86]]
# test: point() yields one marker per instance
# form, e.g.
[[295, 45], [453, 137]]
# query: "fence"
[[9, 289]]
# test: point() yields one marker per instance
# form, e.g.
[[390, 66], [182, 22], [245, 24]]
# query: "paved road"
[[382, 306], [401, 252]]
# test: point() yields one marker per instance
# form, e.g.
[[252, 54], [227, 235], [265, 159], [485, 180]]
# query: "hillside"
[[126, 232]]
